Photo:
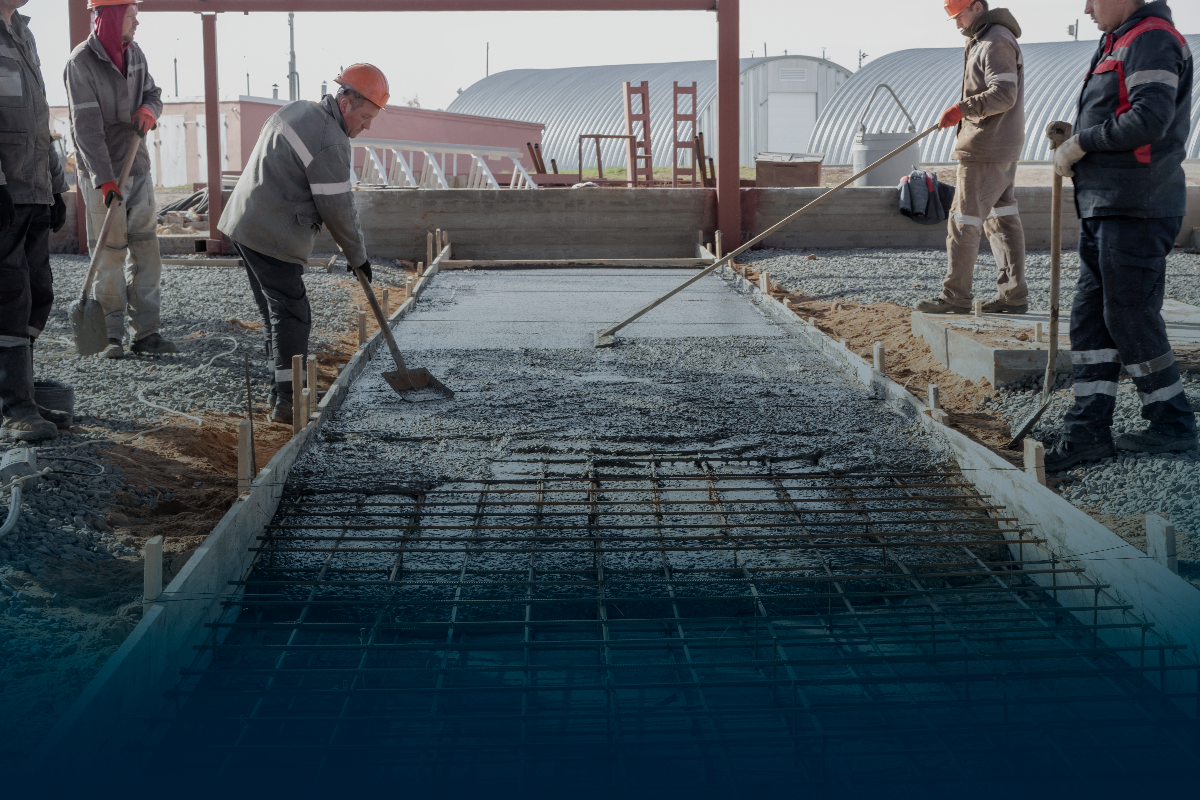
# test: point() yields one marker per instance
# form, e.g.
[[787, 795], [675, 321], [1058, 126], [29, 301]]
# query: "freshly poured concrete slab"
[[563, 309], [987, 348]]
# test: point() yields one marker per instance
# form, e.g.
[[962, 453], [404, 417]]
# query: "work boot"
[[1152, 441], [1065, 454], [282, 413], [154, 345], [998, 306], [61, 419], [21, 421], [938, 305], [113, 350]]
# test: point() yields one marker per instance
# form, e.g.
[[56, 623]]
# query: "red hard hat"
[[367, 80], [98, 3], [956, 7]]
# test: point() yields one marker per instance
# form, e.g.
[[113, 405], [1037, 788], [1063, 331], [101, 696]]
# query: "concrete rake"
[[413, 385], [607, 337]]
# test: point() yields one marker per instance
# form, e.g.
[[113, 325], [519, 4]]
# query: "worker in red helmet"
[[297, 179], [990, 118], [112, 98], [32, 183]]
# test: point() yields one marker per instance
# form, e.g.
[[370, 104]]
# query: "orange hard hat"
[[98, 3], [956, 7], [367, 80]]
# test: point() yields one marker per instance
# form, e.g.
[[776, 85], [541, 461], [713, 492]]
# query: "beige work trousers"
[[130, 269], [985, 200]]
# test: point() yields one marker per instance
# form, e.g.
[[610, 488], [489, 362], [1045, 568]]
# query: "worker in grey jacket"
[[113, 99], [31, 206], [298, 178], [991, 130]]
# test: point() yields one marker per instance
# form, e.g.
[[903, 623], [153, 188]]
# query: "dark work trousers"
[[278, 288], [26, 285], [1117, 320]]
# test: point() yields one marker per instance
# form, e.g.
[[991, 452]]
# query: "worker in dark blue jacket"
[[1126, 161]]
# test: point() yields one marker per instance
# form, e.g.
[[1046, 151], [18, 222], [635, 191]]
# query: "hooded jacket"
[[102, 102], [297, 179], [1135, 111], [29, 163], [993, 91]]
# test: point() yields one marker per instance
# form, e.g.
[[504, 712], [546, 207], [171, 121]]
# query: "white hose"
[[208, 363], [14, 511]]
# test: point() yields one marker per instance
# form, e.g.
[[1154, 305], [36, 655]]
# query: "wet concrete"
[[709, 372]]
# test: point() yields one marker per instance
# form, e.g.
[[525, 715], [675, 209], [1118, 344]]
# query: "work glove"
[[1057, 133], [108, 191], [950, 117], [365, 267], [143, 120], [1066, 155], [8, 214], [58, 213]]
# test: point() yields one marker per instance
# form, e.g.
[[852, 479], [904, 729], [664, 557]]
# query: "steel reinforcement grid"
[[669, 628]]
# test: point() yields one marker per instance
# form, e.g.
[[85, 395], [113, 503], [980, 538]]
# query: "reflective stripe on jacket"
[[31, 168], [993, 93], [1135, 112], [101, 104], [297, 178]]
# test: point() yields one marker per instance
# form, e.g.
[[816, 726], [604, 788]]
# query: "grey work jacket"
[[31, 168], [297, 178], [102, 102]]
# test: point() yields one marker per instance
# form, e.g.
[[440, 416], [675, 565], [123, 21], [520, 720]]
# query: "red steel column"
[[79, 21], [729, 75], [212, 113]]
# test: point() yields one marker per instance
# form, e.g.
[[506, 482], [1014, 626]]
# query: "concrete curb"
[[1115, 572], [131, 684]]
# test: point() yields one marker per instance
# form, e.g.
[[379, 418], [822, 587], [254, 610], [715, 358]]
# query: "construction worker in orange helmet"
[[990, 121], [298, 178]]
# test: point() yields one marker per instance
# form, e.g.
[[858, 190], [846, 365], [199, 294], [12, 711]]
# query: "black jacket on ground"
[[1134, 114]]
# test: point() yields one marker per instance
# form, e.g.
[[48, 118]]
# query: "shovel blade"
[[418, 386], [1023, 426], [87, 327]]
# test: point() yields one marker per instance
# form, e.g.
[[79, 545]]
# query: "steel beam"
[[214, 6], [729, 76], [212, 111]]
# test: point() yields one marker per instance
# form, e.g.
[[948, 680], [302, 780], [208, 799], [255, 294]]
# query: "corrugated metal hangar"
[[928, 80], [781, 99]]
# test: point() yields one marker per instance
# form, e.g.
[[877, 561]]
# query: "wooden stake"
[[979, 306], [408, 287], [935, 396], [428, 251], [297, 398], [764, 282], [437, 239], [362, 328], [245, 458], [880, 357], [720, 251], [313, 397], [152, 573], [387, 306], [1035, 460], [1038, 334], [1161, 543], [421, 268]]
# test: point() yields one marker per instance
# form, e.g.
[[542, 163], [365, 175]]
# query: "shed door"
[[791, 117]]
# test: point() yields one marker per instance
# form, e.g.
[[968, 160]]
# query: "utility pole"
[[1073, 30], [293, 77], [764, 49], [861, 57], [487, 61], [177, 77], [247, 84]]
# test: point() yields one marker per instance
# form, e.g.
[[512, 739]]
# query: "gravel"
[[62, 516], [869, 275]]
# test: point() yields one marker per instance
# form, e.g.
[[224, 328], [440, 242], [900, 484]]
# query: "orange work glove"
[[950, 117], [143, 120], [109, 191]]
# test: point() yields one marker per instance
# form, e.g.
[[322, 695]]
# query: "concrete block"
[[1160, 542]]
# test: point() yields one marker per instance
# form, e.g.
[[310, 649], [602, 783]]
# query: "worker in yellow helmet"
[[111, 94], [990, 117], [297, 179]]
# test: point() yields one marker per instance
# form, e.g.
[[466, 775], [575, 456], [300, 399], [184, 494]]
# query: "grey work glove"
[[1057, 133], [1066, 155], [58, 213], [8, 214], [365, 267]]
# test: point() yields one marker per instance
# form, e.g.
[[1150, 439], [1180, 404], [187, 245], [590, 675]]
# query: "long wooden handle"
[[1055, 272], [383, 323], [723, 261], [110, 217]]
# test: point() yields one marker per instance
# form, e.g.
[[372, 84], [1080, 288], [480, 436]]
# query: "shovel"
[[86, 315], [1025, 424], [413, 385]]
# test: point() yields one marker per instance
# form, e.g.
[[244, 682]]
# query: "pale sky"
[[432, 55]]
